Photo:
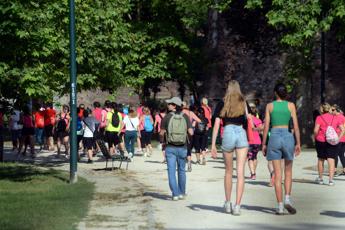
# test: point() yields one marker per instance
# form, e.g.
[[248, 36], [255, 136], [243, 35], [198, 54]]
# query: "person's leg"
[[278, 180], [1, 144], [320, 167], [21, 143], [32, 145], [133, 138], [149, 138], [341, 154], [171, 162], [228, 161], [58, 143], [241, 156], [288, 177], [181, 165], [66, 143], [331, 168]]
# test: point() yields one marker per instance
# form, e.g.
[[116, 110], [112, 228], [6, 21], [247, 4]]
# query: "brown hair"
[[132, 113], [234, 103]]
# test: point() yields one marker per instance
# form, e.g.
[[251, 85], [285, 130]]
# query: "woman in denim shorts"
[[281, 144], [232, 113]]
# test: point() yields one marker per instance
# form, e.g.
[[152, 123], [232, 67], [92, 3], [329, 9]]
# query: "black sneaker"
[[90, 161]]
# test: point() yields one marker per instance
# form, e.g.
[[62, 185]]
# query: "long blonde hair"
[[234, 103]]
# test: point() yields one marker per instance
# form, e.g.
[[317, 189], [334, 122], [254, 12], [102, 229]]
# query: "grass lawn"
[[32, 198]]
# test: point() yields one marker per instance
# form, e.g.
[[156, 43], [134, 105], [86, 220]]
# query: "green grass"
[[32, 198]]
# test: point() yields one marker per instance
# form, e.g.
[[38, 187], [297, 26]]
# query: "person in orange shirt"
[[39, 126], [49, 122]]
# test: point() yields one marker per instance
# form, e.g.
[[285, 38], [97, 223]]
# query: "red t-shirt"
[[81, 113], [39, 119], [326, 120], [49, 117], [208, 114], [97, 113], [27, 121]]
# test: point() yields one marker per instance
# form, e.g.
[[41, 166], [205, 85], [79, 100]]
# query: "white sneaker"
[[227, 206], [130, 155], [236, 210], [331, 183], [175, 198], [280, 209], [319, 180], [182, 197], [288, 206]]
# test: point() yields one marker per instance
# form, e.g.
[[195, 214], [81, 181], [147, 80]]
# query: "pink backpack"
[[331, 135]]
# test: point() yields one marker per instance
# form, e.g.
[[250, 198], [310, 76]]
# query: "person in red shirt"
[[337, 111], [28, 132], [49, 123], [39, 126]]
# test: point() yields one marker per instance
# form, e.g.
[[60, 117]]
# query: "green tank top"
[[281, 114]]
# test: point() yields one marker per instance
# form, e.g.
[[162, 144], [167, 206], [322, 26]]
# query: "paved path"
[[140, 197]]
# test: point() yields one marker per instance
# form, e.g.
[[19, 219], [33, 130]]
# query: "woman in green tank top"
[[281, 144]]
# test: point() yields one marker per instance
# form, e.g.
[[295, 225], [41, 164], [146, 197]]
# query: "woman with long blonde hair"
[[232, 112]]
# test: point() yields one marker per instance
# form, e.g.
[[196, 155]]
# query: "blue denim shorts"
[[234, 137], [281, 145]]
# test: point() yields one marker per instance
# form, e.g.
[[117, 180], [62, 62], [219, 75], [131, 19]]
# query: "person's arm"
[[296, 129], [214, 137], [162, 130], [195, 117], [342, 131], [316, 129], [266, 128]]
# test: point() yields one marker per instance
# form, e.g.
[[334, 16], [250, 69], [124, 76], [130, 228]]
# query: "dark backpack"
[[61, 125], [200, 127], [115, 120]]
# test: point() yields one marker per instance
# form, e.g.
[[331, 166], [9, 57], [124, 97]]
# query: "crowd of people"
[[185, 128]]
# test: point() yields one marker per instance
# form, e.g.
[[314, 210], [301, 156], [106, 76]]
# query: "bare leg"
[[331, 168], [320, 167], [288, 177], [278, 180], [228, 161], [241, 156], [66, 143]]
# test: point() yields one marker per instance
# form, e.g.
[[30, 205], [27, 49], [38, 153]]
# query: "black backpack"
[[200, 127], [61, 125], [115, 120]]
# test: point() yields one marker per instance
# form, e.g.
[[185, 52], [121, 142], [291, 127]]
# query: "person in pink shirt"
[[97, 111], [325, 150], [207, 110], [158, 120], [105, 110], [341, 153], [255, 144]]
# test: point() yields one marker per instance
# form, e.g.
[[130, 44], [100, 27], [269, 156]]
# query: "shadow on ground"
[[157, 195], [335, 214], [24, 173]]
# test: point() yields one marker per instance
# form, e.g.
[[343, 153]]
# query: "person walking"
[[90, 126], [49, 123], [326, 149], [158, 121], [255, 144], [15, 127], [341, 153], [147, 121], [192, 117], [39, 126], [200, 136], [176, 126], [281, 144], [131, 124], [113, 128], [2, 113], [62, 130], [232, 112], [28, 132]]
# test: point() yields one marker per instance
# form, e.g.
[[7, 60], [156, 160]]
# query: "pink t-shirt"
[[256, 136], [104, 115], [158, 119], [342, 117], [324, 121]]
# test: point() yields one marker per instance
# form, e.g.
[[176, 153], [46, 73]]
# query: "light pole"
[[73, 96]]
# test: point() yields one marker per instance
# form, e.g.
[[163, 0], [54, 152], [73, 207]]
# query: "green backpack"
[[177, 129]]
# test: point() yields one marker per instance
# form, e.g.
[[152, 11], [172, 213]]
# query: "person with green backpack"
[[175, 127]]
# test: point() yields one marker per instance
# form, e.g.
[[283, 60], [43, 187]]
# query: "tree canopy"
[[130, 42]]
